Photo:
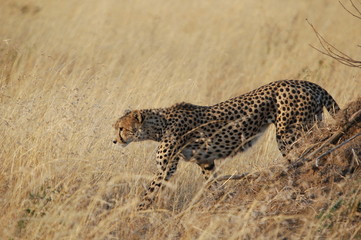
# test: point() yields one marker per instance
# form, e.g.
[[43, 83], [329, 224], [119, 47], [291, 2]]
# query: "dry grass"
[[68, 69]]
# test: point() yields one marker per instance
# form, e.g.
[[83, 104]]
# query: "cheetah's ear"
[[138, 116], [126, 112]]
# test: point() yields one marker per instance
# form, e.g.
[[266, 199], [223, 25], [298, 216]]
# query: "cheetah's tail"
[[330, 104]]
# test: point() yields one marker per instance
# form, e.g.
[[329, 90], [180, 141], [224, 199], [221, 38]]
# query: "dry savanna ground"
[[68, 69]]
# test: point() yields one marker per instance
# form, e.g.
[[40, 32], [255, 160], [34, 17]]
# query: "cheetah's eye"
[[121, 129]]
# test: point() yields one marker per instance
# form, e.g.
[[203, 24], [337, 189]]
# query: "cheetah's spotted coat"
[[205, 133]]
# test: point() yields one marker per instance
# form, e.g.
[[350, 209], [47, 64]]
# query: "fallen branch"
[[310, 149], [333, 149]]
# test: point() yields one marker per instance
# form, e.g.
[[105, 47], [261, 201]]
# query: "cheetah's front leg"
[[167, 162]]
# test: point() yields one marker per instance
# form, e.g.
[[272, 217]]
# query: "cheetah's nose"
[[115, 141]]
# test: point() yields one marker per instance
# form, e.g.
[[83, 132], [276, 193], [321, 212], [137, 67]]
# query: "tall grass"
[[68, 69]]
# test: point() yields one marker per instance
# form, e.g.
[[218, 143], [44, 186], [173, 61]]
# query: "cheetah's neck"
[[154, 124]]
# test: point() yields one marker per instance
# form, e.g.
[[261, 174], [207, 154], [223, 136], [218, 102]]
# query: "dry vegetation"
[[68, 69]]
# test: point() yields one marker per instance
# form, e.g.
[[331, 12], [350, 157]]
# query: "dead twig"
[[231, 177], [333, 149], [353, 5], [310, 149], [331, 51]]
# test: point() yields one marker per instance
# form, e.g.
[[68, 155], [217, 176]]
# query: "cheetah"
[[202, 134]]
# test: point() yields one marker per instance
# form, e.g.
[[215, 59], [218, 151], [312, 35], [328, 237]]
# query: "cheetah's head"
[[128, 127]]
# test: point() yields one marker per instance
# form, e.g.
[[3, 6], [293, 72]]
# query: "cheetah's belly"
[[206, 150], [200, 154]]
